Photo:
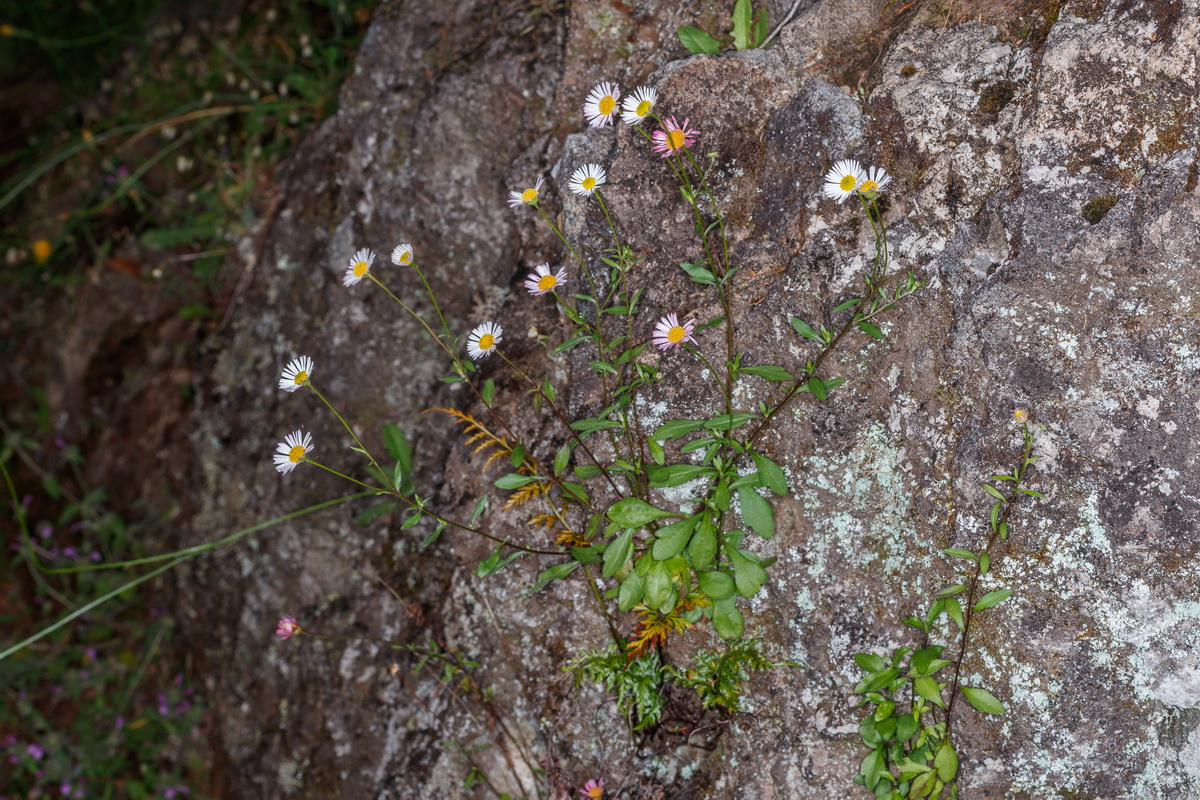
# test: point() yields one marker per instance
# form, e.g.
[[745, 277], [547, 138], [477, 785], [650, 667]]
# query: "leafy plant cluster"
[[911, 691], [748, 31]]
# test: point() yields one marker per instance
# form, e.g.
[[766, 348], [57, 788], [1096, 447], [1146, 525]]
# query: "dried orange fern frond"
[[654, 626], [526, 493], [477, 434]]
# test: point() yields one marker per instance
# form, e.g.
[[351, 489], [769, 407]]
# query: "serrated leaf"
[[742, 22], [634, 513], [804, 329], [771, 474], [717, 585], [757, 512], [993, 599], [983, 700], [671, 539], [698, 41]]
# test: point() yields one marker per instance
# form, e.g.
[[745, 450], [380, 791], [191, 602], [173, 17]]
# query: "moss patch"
[[1095, 209], [907, 71], [993, 98]]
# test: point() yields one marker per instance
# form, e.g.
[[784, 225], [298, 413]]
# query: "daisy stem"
[[724, 387], [574, 434], [375, 489], [433, 299], [414, 314], [353, 436], [583, 267]]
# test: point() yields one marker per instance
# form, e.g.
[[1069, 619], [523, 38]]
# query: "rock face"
[[1045, 165]]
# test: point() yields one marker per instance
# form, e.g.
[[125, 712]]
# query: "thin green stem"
[[433, 298], [353, 436], [415, 315]]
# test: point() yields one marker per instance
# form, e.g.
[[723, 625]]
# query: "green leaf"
[[397, 446], [514, 481], [631, 591], [554, 573], [717, 585], [617, 553], [760, 27], [725, 422], [671, 539], [872, 769], [590, 425], [494, 563], [853, 301], [480, 507], [871, 330], [994, 492], [906, 727], [658, 584], [677, 474], [748, 574], [950, 591], [698, 41], [699, 274], [412, 519], [431, 538], [983, 700], [768, 372], [712, 323], [489, 389], [805, 330], [517, 456], [634, 513], [946, 761], [656, 452], [577, 490], [817, 387], [374, 512], [954, 609], [924, 657], [673, 429], [961, 554], [771, 474], [561, 458], [869, 662], [757, 512], [930, 689], [703, 547], [993, 599], [728, 620], [742, 21]]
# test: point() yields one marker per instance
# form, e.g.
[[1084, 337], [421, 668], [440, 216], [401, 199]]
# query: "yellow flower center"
[[546, 283], [529, 196], [675, 139], [676, 334], [848, 183], [41, 250], [596, 791], [301, 377], [487, 341], [607, 104], [6, 30], [296, 454], [405, 258], [868, 186], [643, 108], [360, 269], [588, 183]]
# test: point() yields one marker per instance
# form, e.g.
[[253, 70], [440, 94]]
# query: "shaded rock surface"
[[1001, 123]]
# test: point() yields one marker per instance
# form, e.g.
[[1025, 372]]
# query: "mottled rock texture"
[[1045, 163]]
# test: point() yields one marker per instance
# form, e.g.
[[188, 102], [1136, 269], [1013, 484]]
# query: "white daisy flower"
[[670, 333], [843, 179], [359, 266], [542, 280], [402, 256], [876, 179], [483, 340], [587, 179], [294, 448], [296, 374], [637, 106], [601, 104], [529, 197]]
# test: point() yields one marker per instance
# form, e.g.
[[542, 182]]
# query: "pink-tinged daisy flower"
[[842, 181], [287, 628], [359, 266], [674, 137], [1021, 415], [529, 197], [296, 374], [601, 104], [483, 340], [593, 788], [669, 333], [402, 256], [542, 280], [294, 448], [637, 106], [876, 179], [587, 179]]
